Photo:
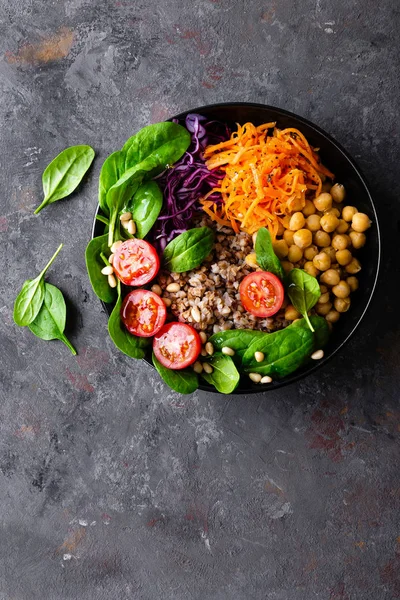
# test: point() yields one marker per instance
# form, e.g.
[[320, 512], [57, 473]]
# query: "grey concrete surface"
[[111, 485]]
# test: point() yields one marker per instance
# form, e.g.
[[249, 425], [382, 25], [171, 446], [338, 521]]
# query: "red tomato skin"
[[138, 297], [148, 256], [174, 335], [273, 282]]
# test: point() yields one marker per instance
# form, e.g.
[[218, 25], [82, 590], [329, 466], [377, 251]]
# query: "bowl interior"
[[346, 172]]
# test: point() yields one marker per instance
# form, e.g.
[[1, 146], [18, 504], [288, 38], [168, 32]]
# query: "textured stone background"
[[112, 486]]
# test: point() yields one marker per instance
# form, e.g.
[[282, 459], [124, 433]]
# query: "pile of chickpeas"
[[321, 239]]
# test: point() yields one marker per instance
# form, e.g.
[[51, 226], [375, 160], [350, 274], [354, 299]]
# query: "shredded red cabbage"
[[188, 180]]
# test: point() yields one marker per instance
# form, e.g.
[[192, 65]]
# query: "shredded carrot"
[[267, 177]]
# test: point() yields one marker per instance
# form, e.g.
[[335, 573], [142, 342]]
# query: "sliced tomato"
[[143, 313], [261, 293], [177, 345], [136, 262]]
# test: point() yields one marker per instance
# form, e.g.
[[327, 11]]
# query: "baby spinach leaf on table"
[[30, 299], [285, 351], [49, 323], [237, 339], [225, 376], [167, 142], [145, 207], [94, 265], [188, 250], [183, 381], [111, 171], [129, 344], [64, 173], [303, 290], [266, 257]]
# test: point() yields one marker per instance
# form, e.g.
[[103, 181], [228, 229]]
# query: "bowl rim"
[[296, 376]]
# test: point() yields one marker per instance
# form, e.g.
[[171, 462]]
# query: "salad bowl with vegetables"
[[235, 248]]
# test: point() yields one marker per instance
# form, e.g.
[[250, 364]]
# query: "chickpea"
[[309, 208], [281, 248], [344, 257], [329, 223], [310, 252], [297, 221], [338, 192], [287, 266], [295, 254], [330, 277], [291, 313], [353, 267], [322, 261], [288, 237], [313, 222], [342, 304], [342, 227], [286, 221], [323, 309], [322, 239], [281, 229], [353, 283], [310, 268], [342, 289], [331, 252], [332, 316], [324, 298], [333, 211], [303, 238], [357, 239], [323, 289], [348, 212], [361, 222], [323, 201], [340, 242]]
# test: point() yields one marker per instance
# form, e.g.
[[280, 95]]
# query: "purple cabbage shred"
[[188, 180]]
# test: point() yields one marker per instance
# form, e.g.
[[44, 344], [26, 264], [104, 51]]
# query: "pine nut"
[[156, 289], [167, 301], [115, 246], [107, 270], [203, 352], [256, 377], [197, 367], [132, 227], [317, 355], [203, 336], [259, 356], [125, 224], [111, 258], [228, 351], [173, 287], [127, 216], [209, 348], [196, 314], [266, 379], [112, 282], [207, 368], [254, 238]]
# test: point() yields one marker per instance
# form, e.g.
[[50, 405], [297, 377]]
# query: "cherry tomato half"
[[136, 262], [261, 293], [143, 313], [177, 345]]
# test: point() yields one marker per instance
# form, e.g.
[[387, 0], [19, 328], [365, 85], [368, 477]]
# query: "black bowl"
[[358, 194]]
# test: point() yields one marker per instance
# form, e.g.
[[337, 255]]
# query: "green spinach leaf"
[[64, 173], [30, 299], [129, 344], [49, 323], [285, 351], [94, 265], [183, 381], [237, 339], [145, 207], [304, 292], [266, 257], [225, 376], [188, 250], [111, 170]]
